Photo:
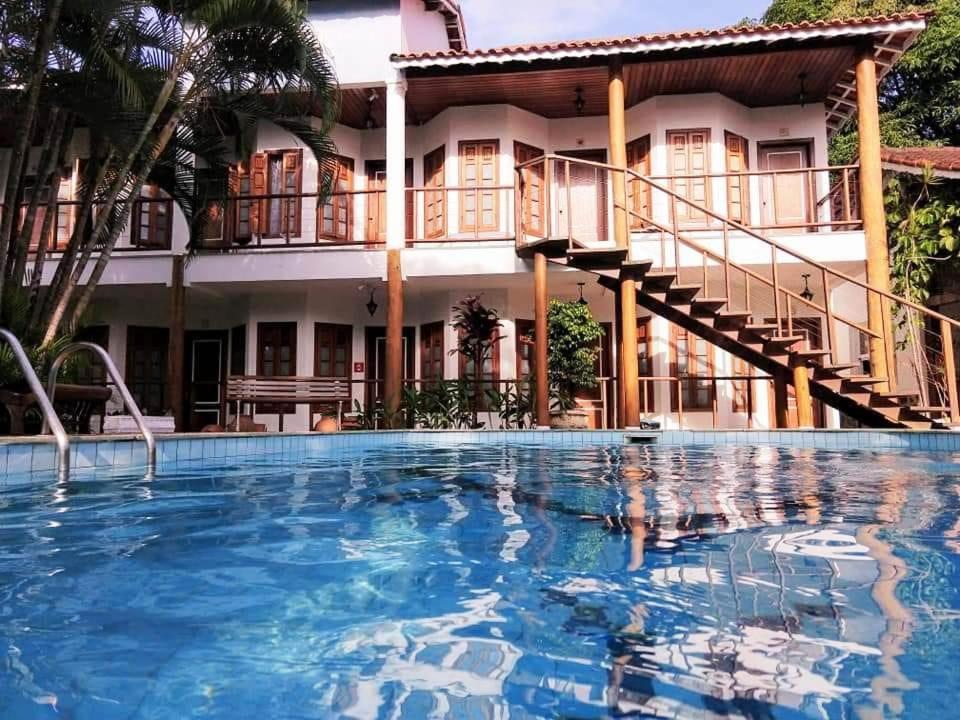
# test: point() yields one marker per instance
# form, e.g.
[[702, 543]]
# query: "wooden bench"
[[281, 391]]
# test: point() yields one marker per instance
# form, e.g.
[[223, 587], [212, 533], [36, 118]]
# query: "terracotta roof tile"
[[939, 158], [743, 31]]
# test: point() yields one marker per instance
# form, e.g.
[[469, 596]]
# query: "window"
[[146, 374], [431, 351], [742, 400], [479, 209], [59, 232], [489, 375], [336, 215], [738, 186], [152, 219], [638, 192], [434, 216], [267, 176], [692, 360], [276, 357], [689, 154], [525, 349]]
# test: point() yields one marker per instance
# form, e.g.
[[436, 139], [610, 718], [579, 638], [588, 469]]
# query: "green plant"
[[369, 417], [514, 405], [440, 405], [478, 332], [573, 340]]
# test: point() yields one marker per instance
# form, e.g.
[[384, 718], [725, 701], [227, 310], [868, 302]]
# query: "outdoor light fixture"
[[806, 293], [369, 123], [582, 300], [579, 103], [803, 88], [372, 305]]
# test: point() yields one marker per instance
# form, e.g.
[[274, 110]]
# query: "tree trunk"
[[47, 177], [25, 119]]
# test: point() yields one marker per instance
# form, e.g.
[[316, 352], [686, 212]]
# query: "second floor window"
[[268, 177], [336, 215], [151, 224]]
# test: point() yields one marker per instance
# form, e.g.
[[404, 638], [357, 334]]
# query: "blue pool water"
[[488, 582]]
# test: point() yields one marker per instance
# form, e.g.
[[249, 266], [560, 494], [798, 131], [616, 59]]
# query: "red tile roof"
[[938, 158], [742, 32]]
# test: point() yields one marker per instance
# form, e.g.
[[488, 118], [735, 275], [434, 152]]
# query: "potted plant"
[[573, 342], [478, 332]]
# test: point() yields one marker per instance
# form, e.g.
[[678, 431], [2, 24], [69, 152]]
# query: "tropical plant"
[[573, 339], [514, 405], [159, 87], [440, 405], [368, 417], [478, 332]]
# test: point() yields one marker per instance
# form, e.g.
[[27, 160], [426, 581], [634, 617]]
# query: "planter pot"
[[570, 420]]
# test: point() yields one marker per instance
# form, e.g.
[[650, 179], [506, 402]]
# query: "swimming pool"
[[471, 580]]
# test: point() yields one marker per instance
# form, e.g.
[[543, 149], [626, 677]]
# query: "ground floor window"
[[431, 351], [691, 360], [147, 367], [276, 357]]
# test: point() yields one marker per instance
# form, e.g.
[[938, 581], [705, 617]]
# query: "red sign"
[[358, 367]]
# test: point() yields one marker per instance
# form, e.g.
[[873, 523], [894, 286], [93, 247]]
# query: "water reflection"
[[513, 583]]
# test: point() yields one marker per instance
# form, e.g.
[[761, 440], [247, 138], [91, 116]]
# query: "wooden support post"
[[618, 321], [781, 413], [874, 216], [175, 347], [540, 349], [801, 387], [393, 380], [628, 348], [618, 152]]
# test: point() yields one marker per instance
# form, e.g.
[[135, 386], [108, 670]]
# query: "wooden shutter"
[[291, 185], [431, 351], [434, 217], [689, 164], [534, 190], [276, 357], [479, 208], [335, 220], [638, 192], [150, 226], [257, 187], [738, 187]]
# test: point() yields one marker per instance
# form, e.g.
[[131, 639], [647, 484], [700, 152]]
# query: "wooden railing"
[[746, 268]]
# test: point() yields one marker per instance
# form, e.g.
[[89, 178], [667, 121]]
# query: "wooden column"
[[175, 348], [874, 215], [618, 324], [628, 349], [393, 380], [616, 113], [540, 349], [781, 412], [801, 387]]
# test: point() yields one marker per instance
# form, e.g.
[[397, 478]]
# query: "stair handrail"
[[46, 404], [128, 401], [746, 230]]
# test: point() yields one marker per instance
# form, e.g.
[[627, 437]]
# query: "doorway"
[[586, 217], [376, 360], [204, 370], [785, 198]]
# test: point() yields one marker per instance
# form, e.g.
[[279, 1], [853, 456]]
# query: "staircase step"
[[765, 330], [732, 319], [809, 356], [635, 269], [785, 342], [683, 294], [551, 247], [829, 370], [706, 307], [596, 258], [658, 282], [902, 399]]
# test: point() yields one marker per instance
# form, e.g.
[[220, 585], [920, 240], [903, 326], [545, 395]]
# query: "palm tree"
[[159, 85]]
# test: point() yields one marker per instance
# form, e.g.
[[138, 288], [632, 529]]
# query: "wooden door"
[[335, 221], [376, 360], [204, 369], [146, 374], [434, 197], [431, 351], [738, 186], [479, 169], [785, 197], [583, 206], [376, 171], [689, 154], [638, 192], [276, 357], [534, 189]]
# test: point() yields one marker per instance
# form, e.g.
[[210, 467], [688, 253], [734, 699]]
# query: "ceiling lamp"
[[802, 77], [369, 123], [582, 300], [579, 103], [806, 293], [372, 305]]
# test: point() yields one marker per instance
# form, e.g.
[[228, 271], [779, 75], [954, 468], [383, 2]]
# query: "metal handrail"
[[114, 374], [46, 404]]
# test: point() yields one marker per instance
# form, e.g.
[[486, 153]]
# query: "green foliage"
[[573, 339], [514, 405], [15, 319], [478, 332], [440, 405], [369, 417]]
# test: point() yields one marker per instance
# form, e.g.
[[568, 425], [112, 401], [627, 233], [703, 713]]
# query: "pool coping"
[[37, 454]]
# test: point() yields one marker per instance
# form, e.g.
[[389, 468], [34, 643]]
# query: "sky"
[[506, 22]]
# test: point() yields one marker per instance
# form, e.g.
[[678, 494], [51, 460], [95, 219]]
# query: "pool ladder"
[[45, 399]]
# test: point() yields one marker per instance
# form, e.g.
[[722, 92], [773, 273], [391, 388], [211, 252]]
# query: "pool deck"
[[36, 454]]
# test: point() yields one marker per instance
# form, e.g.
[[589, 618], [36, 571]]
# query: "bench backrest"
[[247, 388]]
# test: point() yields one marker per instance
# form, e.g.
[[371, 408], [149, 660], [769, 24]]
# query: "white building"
[[429, 139]]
